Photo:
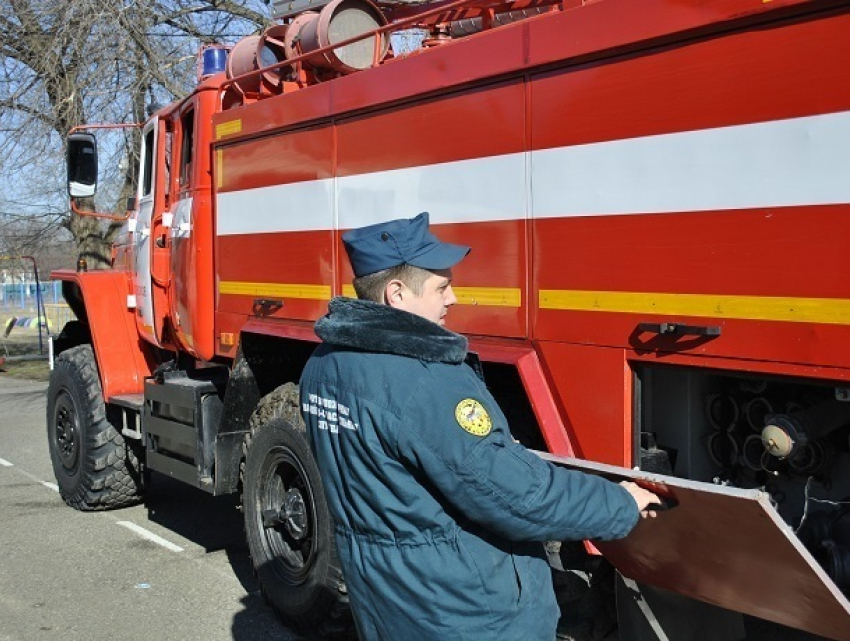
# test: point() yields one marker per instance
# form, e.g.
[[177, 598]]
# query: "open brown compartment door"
[[725, 546]]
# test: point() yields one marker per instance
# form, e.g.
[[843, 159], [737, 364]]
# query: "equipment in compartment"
[[789, 438]]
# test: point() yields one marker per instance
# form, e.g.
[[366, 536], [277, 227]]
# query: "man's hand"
[[642, 497]]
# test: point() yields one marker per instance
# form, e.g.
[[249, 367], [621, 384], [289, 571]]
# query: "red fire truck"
[[657, 194]]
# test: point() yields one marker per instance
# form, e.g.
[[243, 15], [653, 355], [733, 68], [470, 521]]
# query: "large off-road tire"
[[287, 524], [94, 467]]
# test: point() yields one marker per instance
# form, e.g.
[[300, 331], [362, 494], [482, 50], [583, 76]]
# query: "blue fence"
[[22, 295], [20, 308]]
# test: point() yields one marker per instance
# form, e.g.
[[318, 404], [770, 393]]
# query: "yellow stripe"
[[276, 290], [228, 128], [491, 296], [774, 308], [219, 168], [797, 310]]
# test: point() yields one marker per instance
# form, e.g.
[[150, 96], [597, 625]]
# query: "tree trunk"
[[93, 237]]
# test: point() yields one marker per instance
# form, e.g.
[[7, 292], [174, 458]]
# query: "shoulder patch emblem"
[[472, 417]]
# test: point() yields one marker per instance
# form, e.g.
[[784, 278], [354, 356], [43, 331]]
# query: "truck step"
[[129, 401]]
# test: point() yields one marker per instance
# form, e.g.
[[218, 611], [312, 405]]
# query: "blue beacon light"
[[213, 62]]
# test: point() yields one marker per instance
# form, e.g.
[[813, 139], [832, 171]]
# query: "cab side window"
[[187, 147], [148, 152]]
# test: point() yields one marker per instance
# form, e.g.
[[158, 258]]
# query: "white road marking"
[[33, 477], [145, 534], [646, 610], [150, 536]]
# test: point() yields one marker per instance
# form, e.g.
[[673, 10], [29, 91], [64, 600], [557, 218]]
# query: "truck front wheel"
[[287, 524], [94, 467]]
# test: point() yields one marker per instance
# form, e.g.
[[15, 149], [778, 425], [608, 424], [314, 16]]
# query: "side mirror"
[[82, 165]]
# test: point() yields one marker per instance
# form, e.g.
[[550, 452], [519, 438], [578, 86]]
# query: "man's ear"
[[394, 293]]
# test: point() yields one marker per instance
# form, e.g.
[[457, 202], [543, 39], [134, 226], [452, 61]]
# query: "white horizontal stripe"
[[5, 463], [465, 191], [150, 536], [300, 206], [50, 486], [800, 161]]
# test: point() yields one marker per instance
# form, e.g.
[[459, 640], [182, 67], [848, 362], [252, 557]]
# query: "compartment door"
[[726, 546]]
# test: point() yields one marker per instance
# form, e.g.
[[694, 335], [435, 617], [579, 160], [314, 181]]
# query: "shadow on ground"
[[215, 524]]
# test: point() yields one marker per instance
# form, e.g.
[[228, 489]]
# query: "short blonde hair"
[[371, 286]]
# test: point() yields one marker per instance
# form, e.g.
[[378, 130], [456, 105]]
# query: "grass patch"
[[37, 370], [24, 342]]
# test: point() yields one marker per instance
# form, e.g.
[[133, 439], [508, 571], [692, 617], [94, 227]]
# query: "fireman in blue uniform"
[[439, 514]]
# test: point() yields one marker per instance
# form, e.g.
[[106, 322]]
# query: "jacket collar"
[[372, 327]]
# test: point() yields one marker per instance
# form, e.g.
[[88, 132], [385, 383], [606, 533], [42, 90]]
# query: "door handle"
[[679, 329]]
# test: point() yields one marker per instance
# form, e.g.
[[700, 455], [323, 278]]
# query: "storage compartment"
[[179, 421], [787, 437]]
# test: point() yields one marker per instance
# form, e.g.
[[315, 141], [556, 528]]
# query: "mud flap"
[[727, 547]]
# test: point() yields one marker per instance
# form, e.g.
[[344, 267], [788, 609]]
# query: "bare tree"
[[63, 64]]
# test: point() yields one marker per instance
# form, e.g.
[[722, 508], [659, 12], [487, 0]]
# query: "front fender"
[[99, 299]]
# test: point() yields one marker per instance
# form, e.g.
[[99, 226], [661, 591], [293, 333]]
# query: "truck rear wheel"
[[287, 523], [94, 467]]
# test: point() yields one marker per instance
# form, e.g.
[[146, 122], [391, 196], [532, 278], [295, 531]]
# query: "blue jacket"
[[439, 513]]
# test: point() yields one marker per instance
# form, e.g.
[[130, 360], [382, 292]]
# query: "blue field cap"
[[396, 242]]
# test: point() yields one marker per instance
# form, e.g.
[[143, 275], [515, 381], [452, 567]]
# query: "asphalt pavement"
[[175, 567]]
